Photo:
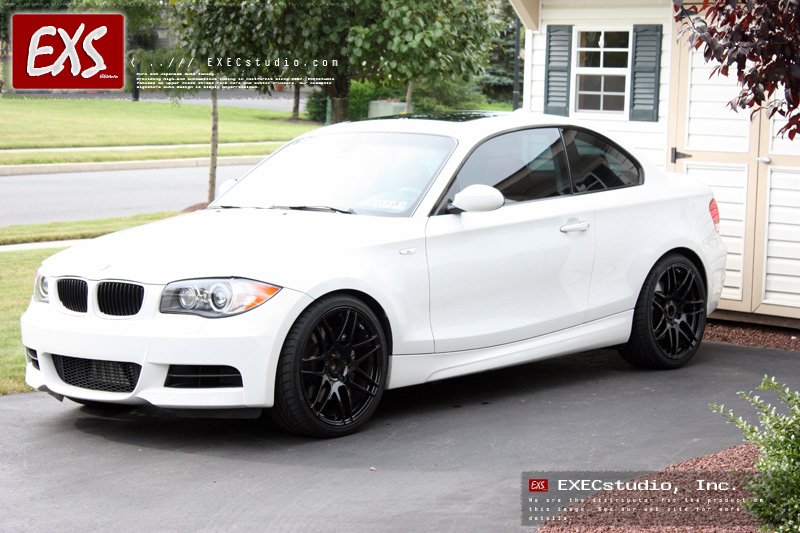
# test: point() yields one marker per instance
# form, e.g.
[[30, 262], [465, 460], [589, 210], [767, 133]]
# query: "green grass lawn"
[[30, 122], [85, 229], [17, 270], [497, 106], [84, 156]]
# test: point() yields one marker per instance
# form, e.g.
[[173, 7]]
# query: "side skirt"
[[420, 368]]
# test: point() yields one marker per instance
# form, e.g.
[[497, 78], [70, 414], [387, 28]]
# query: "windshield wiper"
[[314, 208]]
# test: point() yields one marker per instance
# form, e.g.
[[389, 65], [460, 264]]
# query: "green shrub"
[[362, 92], [316, 106], [447, 95], [776, 488]]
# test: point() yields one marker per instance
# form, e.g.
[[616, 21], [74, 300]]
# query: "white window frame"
[[599, 71]]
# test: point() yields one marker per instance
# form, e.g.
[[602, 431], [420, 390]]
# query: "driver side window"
[[523, 165]]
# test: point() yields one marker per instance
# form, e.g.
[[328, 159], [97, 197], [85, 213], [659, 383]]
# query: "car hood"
[[271, 245]]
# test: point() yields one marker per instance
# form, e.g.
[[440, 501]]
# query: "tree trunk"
[[340, 98], [212, 165], [296, 103], [409, 93]]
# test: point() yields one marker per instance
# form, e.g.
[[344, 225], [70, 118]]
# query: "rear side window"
[[523, 165], [597, 164]]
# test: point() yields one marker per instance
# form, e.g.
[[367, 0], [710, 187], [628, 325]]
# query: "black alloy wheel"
[[670, 315], [332, 370]]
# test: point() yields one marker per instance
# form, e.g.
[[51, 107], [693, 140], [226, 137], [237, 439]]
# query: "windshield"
[[382, 174]]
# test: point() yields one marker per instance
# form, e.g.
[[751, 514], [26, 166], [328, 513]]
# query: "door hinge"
[[675, 155]]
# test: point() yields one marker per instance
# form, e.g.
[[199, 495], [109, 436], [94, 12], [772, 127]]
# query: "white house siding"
[[711, 125], [729, 183], [782, 269], [648, 138]]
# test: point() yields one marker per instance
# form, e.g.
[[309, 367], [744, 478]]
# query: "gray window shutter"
[[646, 73], [556, 78]]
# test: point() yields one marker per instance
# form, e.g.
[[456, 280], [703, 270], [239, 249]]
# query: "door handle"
[[764, 159], [577, 226]]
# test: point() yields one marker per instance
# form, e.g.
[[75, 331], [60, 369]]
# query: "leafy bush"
[[776, 488], [316, 105], [447, 95]]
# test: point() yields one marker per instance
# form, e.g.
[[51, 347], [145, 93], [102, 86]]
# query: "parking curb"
[[54, 168]]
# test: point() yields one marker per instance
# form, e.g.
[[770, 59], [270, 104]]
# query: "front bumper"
[[250, 342]]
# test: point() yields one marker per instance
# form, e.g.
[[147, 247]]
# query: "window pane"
[[615, 59], [616, 39], [589, 59], [613, 102], [590, 39], [597, 164], [588, 102], [523, 165], [614, 84], [591, 83]]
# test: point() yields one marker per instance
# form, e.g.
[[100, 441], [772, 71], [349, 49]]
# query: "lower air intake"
[[94, 374], [202, 377]]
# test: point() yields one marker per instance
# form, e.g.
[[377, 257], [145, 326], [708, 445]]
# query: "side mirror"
[[225, 186], [478, 198]]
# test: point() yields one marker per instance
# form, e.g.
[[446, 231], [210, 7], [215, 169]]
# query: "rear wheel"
[[332, 369], [670, 315]]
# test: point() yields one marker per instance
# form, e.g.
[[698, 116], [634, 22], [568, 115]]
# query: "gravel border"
[[737, 458], [752, 335]]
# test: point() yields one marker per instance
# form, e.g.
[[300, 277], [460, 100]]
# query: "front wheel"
[[670, 315], [332, 369]]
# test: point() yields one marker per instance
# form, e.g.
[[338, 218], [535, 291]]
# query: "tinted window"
[[523, 165], [597, 164]]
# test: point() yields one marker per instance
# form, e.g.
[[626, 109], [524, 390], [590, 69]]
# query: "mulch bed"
[[738, 458], [752, 335]]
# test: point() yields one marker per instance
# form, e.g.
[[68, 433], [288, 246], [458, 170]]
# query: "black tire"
[[670, 315], [332, 369]]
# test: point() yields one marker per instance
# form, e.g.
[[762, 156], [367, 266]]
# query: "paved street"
[[89, 195], [448, 455]]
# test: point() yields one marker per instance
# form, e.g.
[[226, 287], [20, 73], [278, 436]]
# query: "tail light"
[[714, 210]]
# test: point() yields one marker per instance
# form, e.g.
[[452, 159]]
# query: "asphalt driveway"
[[447, 456]]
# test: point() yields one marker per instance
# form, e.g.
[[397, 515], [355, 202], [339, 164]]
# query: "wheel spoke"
[[685, 286], [367, 377], [362, 389], [328, 334], [321, 397], [361, 359], [660, 328], [313, 372], [687, 333], [345, 403], [694, 307], [674, 341], [364, 342], [340, 337]]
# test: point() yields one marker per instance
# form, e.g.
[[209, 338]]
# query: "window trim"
[[576, 70], [440, 206], [636, 163]]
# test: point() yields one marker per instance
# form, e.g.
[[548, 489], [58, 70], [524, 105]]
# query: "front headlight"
[[215, 297], [41, 288]]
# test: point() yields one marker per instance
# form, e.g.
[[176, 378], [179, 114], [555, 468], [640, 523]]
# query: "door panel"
[[510, 274], [776, 283], [719, 147]]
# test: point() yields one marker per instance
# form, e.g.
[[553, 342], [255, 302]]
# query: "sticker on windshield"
[[397, 205]]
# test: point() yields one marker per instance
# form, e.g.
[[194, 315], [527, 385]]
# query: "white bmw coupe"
[[379, 254]]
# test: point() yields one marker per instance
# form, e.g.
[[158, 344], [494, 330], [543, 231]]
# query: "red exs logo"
[[67, 51]]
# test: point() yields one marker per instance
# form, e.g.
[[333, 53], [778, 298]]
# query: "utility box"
[[383, 108]]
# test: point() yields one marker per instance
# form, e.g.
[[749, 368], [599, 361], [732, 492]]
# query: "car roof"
[[464, 126]]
